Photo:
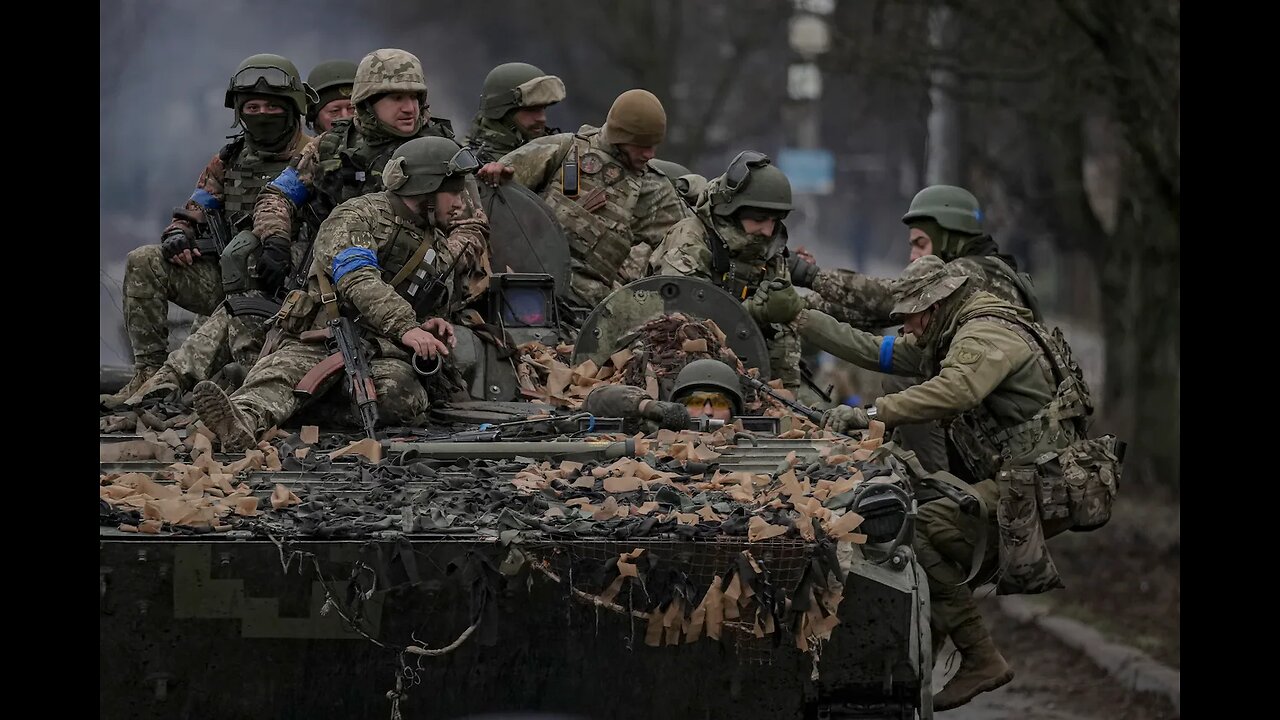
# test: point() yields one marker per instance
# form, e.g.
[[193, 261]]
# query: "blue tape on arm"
[[353, 259], [291, 186], [591, 425], [886, 354], [206, 200]]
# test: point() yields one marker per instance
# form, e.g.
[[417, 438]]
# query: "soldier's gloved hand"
[[273, 263], [843, 418], [178, 247], [668, 415], [775, 301], [802, 271]]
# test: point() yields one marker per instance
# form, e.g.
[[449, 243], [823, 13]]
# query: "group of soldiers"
[[376, 222]]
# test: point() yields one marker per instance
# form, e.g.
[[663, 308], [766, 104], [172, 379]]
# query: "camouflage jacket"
[[615, 209], [864, 301], [366, 240], [335, 166], [687, 250], [973, 364], [211, 187]]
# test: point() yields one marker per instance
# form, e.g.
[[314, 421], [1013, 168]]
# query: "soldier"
[[369, 257], [513, 109], [944, 220], [269, 99], [736, 241], [333, 81], [704, 388], [602, 189], [688, 184], [1016, 409]]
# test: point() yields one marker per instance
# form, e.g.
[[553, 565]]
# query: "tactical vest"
[[1008, 283], [985, 446], [244, 175], [349, 166], [740, 279], [401, 243], [600, 237]]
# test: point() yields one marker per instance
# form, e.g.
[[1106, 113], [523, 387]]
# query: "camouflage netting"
[[649, 357]]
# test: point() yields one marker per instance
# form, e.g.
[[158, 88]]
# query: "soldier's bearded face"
[[915, 323], [638, 155], [332, 112], [398, 110], [763, 227], [448, 205], [532, 120], [921, 245]]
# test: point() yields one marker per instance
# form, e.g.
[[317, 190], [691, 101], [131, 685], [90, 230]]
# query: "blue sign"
[[809, 170]]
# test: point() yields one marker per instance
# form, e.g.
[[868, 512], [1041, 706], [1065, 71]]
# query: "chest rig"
[[985, 445], [594, 198], [245, 174]]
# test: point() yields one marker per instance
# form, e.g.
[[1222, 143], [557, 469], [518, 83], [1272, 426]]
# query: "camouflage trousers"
[[784, 355], [587, 289], [944, 544], [150, 284], [267, 397], [221, 339]]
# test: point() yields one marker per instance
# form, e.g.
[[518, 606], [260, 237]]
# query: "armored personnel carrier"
[[516, 556]]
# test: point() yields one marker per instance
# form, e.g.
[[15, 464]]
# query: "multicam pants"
[[150, 284]]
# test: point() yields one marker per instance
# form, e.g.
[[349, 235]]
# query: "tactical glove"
[[775, 301], [175, 242], [843, 418], [273, 263], [668, 415], [803, 272]]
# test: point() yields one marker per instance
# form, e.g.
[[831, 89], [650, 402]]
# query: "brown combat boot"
[[163, 382], [221, 416], [982, 667], [141, 374]]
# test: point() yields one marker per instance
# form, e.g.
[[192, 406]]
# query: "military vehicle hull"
[[214, 626]]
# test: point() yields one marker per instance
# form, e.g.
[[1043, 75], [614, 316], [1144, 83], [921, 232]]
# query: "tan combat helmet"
[[925, 282], [386, 71], [636, 118]]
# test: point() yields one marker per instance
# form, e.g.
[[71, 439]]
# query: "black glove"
[[668, 415], [174, 242], [803, 272], [273, 263]]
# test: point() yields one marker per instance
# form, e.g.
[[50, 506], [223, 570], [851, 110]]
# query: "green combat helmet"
[[709, 374], [751, 181], [635, 118], [925, 282], [428, 164], [386, 71], [511, 86], [267, 74], [332, 80], [950, 215]]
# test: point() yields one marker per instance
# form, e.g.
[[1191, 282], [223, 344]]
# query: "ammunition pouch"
[[1025, 564], [235, 262], [1091, 473]]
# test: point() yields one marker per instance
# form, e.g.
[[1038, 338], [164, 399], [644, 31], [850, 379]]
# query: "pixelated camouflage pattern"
[[385, 71]]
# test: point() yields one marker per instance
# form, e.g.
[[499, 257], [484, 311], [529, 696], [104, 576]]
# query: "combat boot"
[[140, 376], [982, 668], [221, 416], [162, 383]]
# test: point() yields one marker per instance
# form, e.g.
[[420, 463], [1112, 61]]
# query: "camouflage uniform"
[[230, 183], [615, 210], [687, 250], [508, 88], [379, 222], [993, 384]]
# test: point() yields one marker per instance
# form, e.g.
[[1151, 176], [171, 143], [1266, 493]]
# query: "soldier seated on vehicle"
[[513, 109], [1016, 407]]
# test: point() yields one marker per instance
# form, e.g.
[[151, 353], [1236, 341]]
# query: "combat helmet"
[[332, 80], [386, 71], [267, 74], [924, 282], [752, 180], [709, 374], [515, 85], [953, 208], [428, 164]]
